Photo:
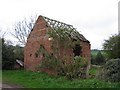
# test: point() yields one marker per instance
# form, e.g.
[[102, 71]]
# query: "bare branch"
[[23, 28]]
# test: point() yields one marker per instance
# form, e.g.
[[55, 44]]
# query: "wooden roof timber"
[[56, 25]]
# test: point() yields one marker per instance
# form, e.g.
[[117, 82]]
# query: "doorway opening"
[[77, 50]]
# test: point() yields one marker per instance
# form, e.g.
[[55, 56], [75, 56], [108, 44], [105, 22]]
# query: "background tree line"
[[10, 53]]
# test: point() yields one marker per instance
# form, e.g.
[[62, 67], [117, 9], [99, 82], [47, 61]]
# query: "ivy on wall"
[[67, 65]]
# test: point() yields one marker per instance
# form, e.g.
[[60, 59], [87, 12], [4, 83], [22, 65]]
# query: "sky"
[[97, 20]]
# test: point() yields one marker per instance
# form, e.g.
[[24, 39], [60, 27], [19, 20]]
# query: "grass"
[[93, 71], [0, 75], [29, 79]]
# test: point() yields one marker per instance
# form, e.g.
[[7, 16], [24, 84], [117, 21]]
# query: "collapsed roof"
[[54, 24]]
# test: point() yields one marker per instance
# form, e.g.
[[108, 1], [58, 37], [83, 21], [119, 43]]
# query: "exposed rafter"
[[56, 25]]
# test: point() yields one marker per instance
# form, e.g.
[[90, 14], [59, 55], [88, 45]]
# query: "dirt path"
[[9, 86], [6, 86]]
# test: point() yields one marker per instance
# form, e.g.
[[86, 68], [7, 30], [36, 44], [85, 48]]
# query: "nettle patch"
[[71, 65]]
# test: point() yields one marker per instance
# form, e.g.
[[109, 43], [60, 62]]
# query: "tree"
[[23, 28], [99, 58], [7, 55], [112, 46], [92, 59], [18, 52]]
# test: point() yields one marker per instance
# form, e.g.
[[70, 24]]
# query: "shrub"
[[111, 71], [75, 68]]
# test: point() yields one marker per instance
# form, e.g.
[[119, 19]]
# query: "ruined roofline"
[[54, 24], [57, 24]]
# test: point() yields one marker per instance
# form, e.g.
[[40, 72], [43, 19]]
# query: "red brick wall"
[[86, 51], [37, 37]]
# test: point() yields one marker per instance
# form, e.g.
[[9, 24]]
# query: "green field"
[[30, 79], [94, 53]]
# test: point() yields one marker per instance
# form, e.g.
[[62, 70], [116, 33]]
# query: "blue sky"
[[95, 19]]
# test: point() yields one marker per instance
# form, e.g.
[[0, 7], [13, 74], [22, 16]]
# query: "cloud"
[[95, 19]]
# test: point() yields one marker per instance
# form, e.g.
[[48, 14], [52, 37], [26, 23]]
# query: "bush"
[[111, 71], [76, 69]]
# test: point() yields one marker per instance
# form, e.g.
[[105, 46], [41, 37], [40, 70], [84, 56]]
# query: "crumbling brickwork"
[[39, 36], [36, 38]]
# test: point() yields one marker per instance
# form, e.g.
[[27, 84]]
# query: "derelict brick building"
[[39, 36]]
